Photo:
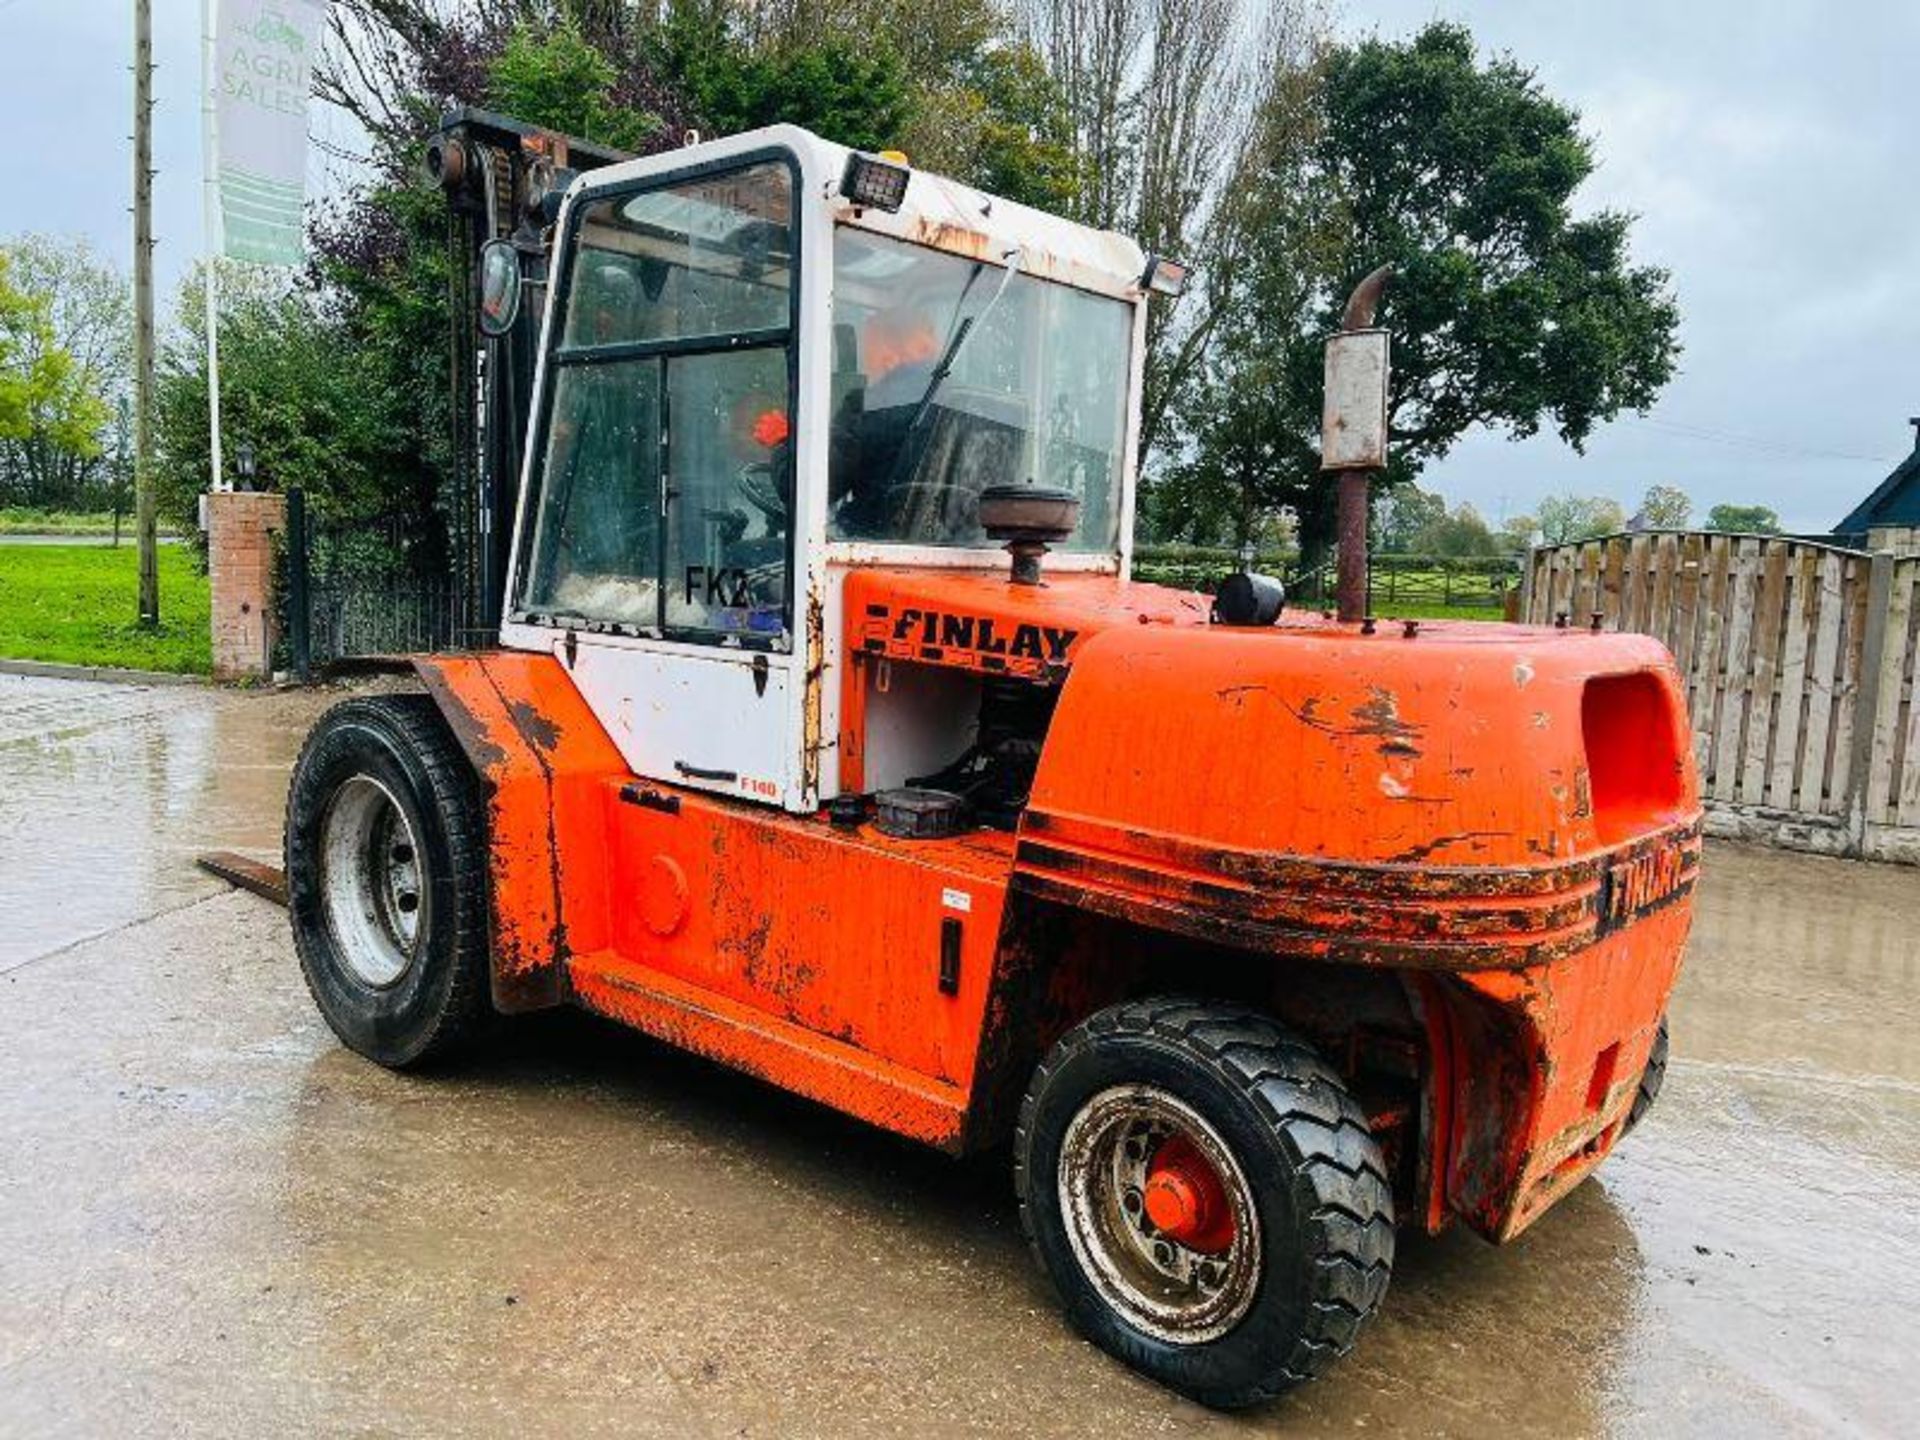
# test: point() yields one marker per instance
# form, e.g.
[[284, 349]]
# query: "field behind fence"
[[1401, 585], [1799, 662]]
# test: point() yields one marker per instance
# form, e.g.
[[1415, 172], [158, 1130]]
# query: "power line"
[[1757, 443]]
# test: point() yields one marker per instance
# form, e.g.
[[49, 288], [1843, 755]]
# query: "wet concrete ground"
[[213, 1220]]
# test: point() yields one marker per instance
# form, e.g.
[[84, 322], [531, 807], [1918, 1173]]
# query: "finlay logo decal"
[[979, 642], [1644, 880]]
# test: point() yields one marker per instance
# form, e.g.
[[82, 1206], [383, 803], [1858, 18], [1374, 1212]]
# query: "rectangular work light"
[[1165, 276], [874, 183]]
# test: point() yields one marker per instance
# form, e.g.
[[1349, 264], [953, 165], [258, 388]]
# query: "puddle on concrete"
[[107, 792], [212, 1218]]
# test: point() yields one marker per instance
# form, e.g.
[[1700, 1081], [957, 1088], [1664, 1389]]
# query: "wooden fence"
[[1799, 659]]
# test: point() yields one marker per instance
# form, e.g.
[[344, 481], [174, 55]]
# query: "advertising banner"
[[263, 54]]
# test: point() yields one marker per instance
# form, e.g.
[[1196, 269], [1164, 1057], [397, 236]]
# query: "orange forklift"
[[828, 736]]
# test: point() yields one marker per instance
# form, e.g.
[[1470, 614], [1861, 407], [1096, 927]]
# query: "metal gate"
[[356, 592]]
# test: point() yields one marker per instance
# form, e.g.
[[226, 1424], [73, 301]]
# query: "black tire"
[[1651, 1079], [397, 750], [1316, 1177]]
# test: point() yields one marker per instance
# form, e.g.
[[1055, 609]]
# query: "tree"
[[1462, 535], [63, 358], [1001, 124], [1508, 311], [1518, 533], [1169, 105], [1665, 507], [554, 72], [1743, 520], [848, 87], [1567, 518], [378, 280], [297, 388], [1403, 516], [1411, 521], [24, 330]]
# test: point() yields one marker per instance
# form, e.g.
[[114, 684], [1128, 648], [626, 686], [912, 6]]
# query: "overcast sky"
[[1768, 150]]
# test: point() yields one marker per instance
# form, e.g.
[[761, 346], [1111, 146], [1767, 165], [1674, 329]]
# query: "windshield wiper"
[[945, 366]]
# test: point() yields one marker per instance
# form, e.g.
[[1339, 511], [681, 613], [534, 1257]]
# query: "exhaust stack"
[[1353, 440]]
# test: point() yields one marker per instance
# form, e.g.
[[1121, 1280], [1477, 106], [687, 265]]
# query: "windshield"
[[950, 375]]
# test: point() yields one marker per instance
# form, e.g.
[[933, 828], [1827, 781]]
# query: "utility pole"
[[143, 312]]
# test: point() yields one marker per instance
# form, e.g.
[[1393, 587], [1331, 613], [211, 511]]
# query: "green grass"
[[24, 520], [1409, 610], [75, 604], [1412, 610], [1401, 590]]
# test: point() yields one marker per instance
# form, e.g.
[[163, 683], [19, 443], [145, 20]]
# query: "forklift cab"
[[769, 363]]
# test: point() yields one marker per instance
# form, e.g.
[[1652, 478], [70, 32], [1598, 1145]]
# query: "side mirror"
[[500, 288]]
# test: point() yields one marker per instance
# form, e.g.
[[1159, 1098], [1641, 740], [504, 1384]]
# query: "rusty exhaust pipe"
[[1354, 433]]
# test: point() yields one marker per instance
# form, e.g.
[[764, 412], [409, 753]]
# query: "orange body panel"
[[807, 922], [982, 624], [1577, 1036], [1503, 822], [542, 758], [722, 927], [1462, 747]]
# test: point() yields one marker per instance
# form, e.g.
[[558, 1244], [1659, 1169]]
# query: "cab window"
[[667, 479], [951, 374]]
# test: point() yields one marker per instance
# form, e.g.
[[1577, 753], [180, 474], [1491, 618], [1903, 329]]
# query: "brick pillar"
[[240, 527]]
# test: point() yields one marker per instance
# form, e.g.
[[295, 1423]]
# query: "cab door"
[[657, 548]]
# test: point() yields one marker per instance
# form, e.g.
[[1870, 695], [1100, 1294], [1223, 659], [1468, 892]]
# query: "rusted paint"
[[949, 216], [768, 924], [811, 739], [1379, 716], [1292, 764], [1049, 972], [946, 235], [1387, 881], [449, 683], [805, 1061], [539, 730]]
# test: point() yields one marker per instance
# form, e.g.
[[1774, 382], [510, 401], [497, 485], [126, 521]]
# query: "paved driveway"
[[213, 1220]]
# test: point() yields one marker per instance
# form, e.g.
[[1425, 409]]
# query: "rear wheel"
[[1206, 1197], [1651, 1078], [385, 880]]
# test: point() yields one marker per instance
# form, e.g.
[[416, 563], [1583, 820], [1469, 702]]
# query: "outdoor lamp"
[[243, 464], [876, 181]]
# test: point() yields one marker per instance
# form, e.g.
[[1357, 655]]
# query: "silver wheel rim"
[[373, 881], [1159, 1286]]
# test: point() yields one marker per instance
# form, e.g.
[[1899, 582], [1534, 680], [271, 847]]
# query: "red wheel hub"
[[1185, 1198]]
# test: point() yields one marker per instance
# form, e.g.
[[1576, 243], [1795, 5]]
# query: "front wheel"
[[1206, 1196], [386, 865]]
